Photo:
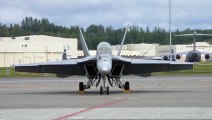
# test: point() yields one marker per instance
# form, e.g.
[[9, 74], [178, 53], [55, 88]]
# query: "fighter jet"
[[104, 69], [193, 55]]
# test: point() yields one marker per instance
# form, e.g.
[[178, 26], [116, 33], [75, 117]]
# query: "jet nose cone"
[[105, 69]]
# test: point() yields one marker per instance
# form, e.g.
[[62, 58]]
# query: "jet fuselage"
[[104, 58], [193, 56]]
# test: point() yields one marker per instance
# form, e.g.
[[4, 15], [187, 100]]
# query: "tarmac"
[[169, 97]]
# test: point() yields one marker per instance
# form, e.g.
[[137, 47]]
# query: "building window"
[[27, 38]]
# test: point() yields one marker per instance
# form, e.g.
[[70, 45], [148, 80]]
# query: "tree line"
[[97, 33]]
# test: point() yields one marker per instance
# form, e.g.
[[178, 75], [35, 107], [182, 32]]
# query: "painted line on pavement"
[[75, 117], [91, 108]]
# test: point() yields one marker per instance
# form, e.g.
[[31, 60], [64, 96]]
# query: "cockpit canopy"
[[104, 48]]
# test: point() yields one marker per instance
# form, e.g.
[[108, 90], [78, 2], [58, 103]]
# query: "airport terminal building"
[[42, 48]]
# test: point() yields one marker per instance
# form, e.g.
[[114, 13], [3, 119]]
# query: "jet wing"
[[205, 53], [185, 35], [181, 53], [64, 67], [142, 66]]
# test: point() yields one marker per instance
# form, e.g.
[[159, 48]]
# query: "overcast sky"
[[194, 14]]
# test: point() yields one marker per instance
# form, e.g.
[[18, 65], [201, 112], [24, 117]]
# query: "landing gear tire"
[[81, 87], [101, 90], [127, 86], [108, 90]]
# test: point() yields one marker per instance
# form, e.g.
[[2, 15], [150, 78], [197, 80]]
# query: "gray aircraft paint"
[[194, 55], [103, 66]]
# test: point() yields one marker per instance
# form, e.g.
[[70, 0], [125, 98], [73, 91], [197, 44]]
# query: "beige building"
[[35, 48], [141, 49]]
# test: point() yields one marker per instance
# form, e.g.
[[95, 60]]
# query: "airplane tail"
[[84, 45], [122, 42], [194, 35]]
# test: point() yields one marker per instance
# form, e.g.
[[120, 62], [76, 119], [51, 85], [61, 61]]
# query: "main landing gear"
[[81, 87], [127, 87], [104, 88]]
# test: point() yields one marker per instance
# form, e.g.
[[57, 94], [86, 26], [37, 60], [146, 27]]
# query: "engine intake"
[[178, 56], [165, 58], [207, 56]]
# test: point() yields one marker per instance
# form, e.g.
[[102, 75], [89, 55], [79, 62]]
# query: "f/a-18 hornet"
[[104, 69]]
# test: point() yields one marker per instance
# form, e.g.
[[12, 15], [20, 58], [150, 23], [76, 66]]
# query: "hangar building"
[[35, 48], [143, 49]]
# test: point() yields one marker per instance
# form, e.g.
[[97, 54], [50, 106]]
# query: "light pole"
[[170, 33]]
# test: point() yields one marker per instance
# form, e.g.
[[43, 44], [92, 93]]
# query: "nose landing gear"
[[107, 90], [103, 88]]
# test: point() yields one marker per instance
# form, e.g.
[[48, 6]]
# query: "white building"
[[201, 46], [35, 48], [141, 49]]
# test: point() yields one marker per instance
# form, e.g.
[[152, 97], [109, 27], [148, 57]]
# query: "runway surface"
[[153, 97]]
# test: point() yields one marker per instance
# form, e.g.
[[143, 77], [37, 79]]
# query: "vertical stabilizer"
[[194, 40], [122, 42], [84, 45], [194, 35]]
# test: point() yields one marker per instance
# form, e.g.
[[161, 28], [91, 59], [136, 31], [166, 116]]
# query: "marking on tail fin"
[[84, 45], [122, 42]]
